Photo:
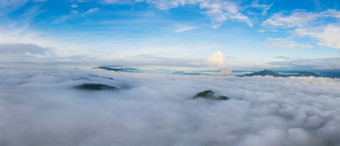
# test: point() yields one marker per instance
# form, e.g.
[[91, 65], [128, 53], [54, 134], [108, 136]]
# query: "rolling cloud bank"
[[42, 107]]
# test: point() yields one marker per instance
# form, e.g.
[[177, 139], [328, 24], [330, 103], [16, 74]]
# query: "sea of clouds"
[[41, 107]]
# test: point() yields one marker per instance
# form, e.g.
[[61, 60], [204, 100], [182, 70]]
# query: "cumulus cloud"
[[41, 107], [218, 59]]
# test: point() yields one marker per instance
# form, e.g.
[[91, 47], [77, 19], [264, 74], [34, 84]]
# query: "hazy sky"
[[249, 33]]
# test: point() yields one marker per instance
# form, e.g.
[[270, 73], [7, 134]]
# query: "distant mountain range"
[[275, 74], [118, 69], [320, 73]]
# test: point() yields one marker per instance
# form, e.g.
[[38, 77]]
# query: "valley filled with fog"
[[43, 107]]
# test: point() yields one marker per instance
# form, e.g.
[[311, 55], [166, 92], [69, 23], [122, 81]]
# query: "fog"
[[41, 107]]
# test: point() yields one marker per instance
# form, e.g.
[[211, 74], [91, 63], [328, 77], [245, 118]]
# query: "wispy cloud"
[[118, 1], [74, 6], [267, 30], [317, 63], [285, 43], [90, 11], [299, 18], [296, 19], [19, 53], [264, 7], [219, 10], [22, 49], [10, 5], [328, 36], [75, 13], [309, 24], [183, 28]]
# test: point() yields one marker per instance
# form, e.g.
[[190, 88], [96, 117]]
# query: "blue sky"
[[247, 34]]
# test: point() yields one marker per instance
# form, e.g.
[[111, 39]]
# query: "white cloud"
[[74, 6], [22, 49], [10, 5], [90, 11], [168, 4], [310, 24], [119, 1], [296, 19], [299, 18], [285, 43], [267, 30], [23, 53], [218, 59], [264, 7], [328, 36], [219, 10], [153, 109], [183, 28]]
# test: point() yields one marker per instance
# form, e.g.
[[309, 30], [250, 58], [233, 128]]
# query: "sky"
[[286, 34]]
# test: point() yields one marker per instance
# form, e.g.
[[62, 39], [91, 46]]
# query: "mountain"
[[208, 94], [118, 69], [95, 87], [264, 73], [275, 74], [308, 74]]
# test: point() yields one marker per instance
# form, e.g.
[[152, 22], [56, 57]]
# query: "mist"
[[42, 107]]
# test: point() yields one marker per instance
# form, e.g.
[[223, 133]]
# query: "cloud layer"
[[41, 107]]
